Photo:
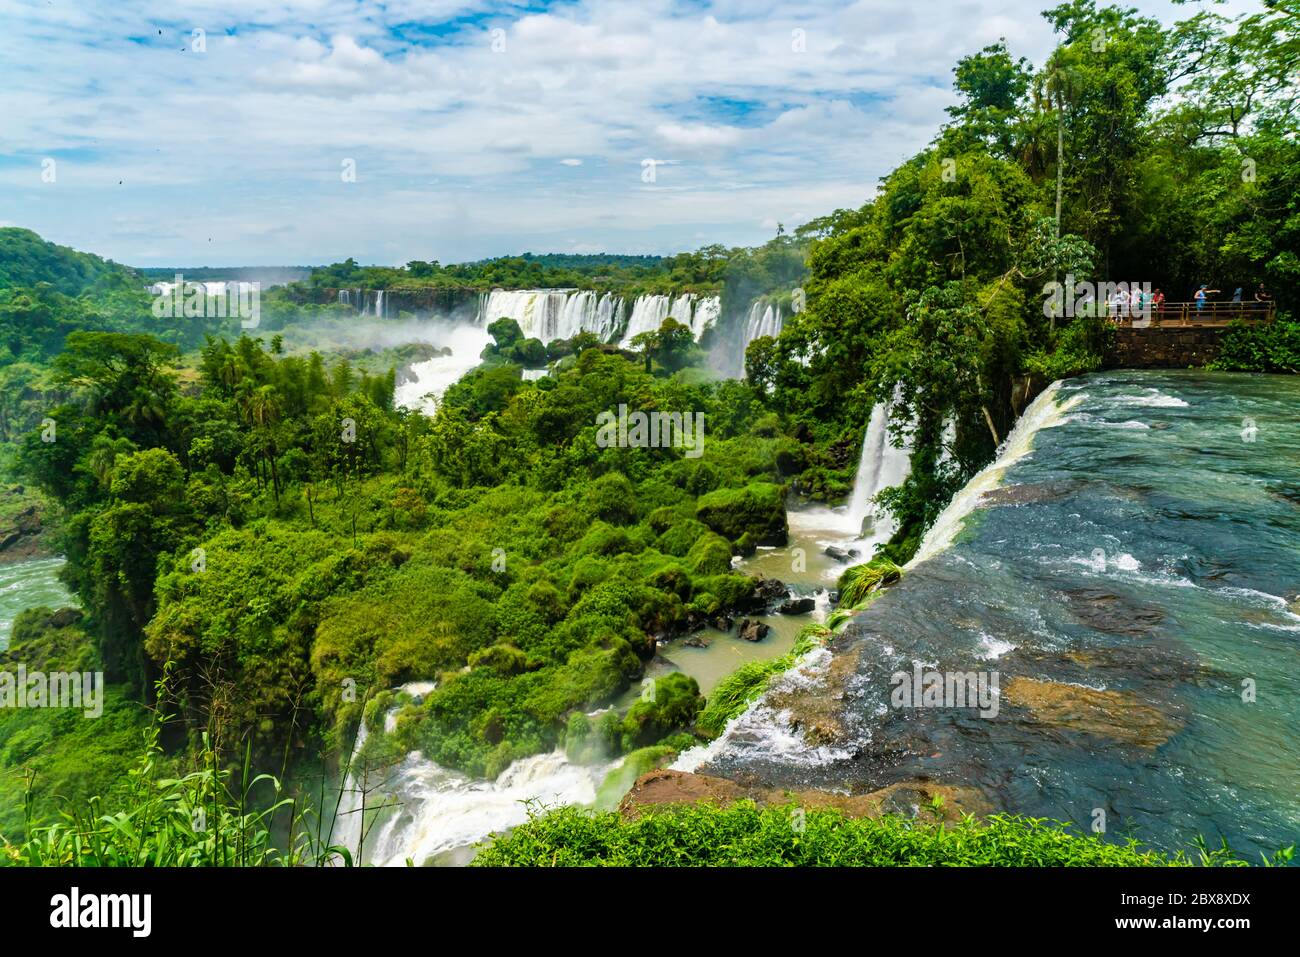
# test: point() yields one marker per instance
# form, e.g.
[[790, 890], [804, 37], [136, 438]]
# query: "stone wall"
[[1170, 347]]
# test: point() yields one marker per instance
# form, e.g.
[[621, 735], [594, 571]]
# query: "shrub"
[[743, 835], [758, 508]]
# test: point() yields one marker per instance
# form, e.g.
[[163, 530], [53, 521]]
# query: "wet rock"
[[695, 641], [841, 554], [1117, 715], [914, 798], [752, 630], [766, 593], [816, 708], [1099, 609], [797, 606], [1029, 494]]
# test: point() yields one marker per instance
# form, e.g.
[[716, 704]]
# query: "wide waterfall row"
[[548, 314]]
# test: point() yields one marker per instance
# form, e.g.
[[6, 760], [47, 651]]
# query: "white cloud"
[[233, 155]]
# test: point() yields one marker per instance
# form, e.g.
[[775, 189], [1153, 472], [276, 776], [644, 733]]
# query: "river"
[[29, 584], [1129, 570]]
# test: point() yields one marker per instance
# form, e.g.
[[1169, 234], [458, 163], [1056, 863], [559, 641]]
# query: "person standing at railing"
[[1236, 295], [1262, 294], [1202, 295]]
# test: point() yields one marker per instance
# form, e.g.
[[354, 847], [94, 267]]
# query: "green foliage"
[[742, 835], [858, 581], [26, 259], [1077, 348], [1272, 347], [757, 509], [673, 707]]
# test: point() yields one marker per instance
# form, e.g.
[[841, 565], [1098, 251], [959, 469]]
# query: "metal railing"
[[1197, 314]]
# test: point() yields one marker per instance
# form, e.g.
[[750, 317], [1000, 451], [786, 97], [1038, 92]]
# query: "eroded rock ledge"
[[912, 798]]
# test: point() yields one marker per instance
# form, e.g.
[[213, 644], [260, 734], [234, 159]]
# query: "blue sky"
[[476, 128]]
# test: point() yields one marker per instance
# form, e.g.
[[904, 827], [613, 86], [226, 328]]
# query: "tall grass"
[[205, 818]]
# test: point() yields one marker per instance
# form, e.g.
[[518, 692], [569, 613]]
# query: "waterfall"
[[860, 523], [1043, 413], [548, 314], [379, 303], [429, 379], [419, 809], [765, 319], [649, 312], [880, 466], [706, 315]]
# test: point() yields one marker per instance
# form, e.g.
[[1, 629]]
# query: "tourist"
[[1202, 295]]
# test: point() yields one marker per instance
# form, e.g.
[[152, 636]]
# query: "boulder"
[[797, 606], [841, 554], [752, 630], [767, 592]]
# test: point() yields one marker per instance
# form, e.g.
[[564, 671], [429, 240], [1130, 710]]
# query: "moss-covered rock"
[[757, 509]]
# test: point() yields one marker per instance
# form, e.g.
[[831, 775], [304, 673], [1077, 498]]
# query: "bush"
[[742, 835], [758, 508], [676, 703], [1272, 347]]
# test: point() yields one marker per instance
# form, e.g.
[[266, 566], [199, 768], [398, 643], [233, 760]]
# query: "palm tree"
[[1053, 86]]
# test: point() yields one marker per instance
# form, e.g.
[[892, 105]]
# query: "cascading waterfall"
[[422, 811], [861, 524], [548, 314], [765, 319], [649, 312], [1044, 412], [880, 466]]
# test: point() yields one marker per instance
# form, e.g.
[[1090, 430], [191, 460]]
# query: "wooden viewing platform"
[[1211, 315]]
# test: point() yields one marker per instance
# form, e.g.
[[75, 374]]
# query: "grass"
[[735, 692]]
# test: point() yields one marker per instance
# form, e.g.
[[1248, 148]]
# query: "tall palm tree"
[[1052, 88]]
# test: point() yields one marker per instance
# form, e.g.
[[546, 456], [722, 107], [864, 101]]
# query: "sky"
[[299, 132]]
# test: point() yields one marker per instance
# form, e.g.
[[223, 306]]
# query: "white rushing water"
[[765, 319], [419, 810], [1043, 413], [861, 524], [649, 312], [548, 314], [429, 379]]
